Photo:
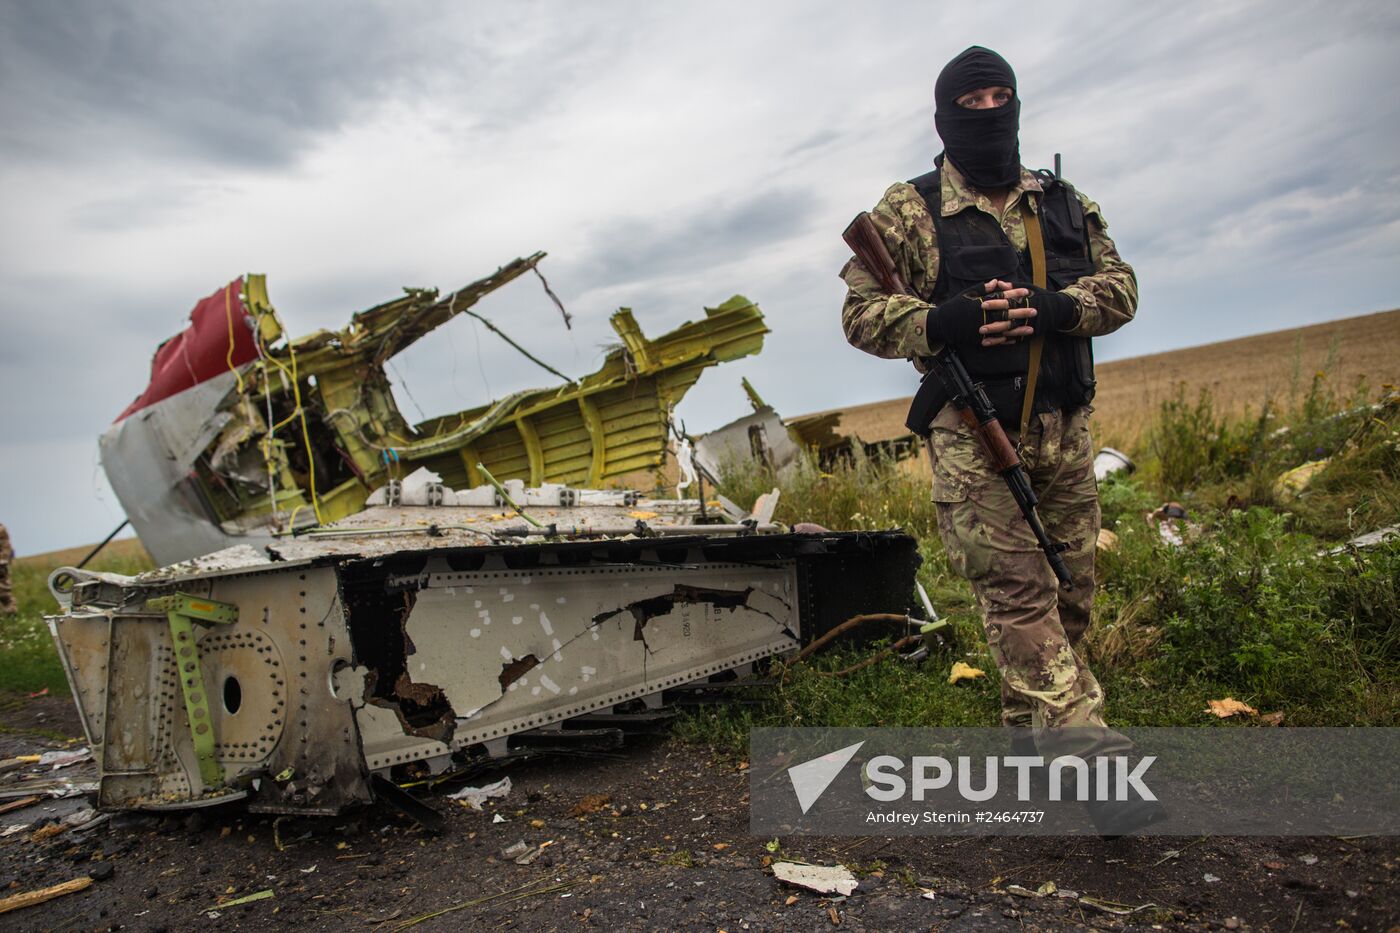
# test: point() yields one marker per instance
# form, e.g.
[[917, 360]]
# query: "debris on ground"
[[1170, 520], [80, 819], [591, 803], [19, 761], [819, 878], [1368, 540], [239, 902], [54, 789], [1294, 482], [1115, 908], [63, 759], [964, 671], [19, 803], [529, 889], [1230, 707], [1109, 461], [31, 898], [474, 797], [524, 853], [1108, 541]]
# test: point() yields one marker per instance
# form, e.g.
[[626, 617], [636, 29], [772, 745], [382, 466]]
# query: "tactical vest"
[[972, 248]]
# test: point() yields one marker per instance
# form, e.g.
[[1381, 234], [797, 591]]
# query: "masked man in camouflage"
[[958, 238]]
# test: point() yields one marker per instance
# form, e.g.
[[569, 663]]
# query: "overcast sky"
[[666, 156]]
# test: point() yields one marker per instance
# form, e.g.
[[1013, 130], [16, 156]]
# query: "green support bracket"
[[183, 611]]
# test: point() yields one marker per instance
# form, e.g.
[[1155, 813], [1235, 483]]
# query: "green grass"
[[1249, 607], [28, 661]]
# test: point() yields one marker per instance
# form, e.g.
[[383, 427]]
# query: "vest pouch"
[[1082, 384], [1070, 369], [1062, 272], [1062, 219], [1006, 395], [969, 266], [926, 404], [1066, 243]]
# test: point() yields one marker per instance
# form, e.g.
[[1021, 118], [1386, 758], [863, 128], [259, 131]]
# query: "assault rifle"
[[968, 397]]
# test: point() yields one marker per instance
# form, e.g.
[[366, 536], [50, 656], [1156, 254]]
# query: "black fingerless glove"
[[957, 320], [1055, 311]]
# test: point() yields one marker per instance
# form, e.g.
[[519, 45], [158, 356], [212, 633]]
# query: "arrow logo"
[[811, 778]]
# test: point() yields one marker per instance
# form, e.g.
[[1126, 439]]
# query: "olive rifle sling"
[[1036, 244]]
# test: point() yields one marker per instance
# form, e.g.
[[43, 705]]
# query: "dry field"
[[1239, 373], [120, 549]]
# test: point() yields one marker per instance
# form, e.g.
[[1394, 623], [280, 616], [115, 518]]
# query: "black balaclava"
[[983, 144]]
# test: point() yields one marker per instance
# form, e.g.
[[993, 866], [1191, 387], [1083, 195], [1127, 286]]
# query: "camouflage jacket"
[[892, 326]]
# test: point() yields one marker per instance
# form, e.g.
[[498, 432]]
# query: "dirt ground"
[[670, 850]]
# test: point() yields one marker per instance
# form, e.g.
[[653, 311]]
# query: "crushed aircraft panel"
[[777, 443], [290, 674], [242, 433]]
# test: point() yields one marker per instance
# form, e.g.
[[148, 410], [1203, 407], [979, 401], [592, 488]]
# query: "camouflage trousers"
[[1033, 627], [7, 554]]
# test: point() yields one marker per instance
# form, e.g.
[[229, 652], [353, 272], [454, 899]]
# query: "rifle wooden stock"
[[994, 441], [865, 241]]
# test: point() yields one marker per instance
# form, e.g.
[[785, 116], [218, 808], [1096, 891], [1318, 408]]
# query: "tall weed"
[[1253, 604]]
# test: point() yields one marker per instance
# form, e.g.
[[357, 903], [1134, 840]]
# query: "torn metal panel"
[[242, 434], [267, 675], [761, 437], [777, 443], [415, 633], [834, 440], [512, 650]]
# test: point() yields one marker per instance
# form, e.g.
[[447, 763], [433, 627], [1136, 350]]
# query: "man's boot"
[[1114, 818], [1023, 746]]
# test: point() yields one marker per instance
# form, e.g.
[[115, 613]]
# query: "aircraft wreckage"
[[388, 597], [198, 463]]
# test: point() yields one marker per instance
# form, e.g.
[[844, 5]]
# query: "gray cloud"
[[641, 247], [153, 206], [256, 84], [219, 83]]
